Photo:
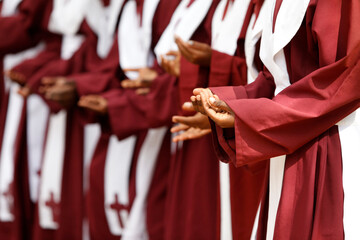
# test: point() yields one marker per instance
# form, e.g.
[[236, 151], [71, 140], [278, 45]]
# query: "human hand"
[[144, 81], [95, 103], [171, 66], [214, 108], [195, 52], [17, 77], [59, 89]]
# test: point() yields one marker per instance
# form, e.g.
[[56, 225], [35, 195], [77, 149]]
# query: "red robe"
[[320, 60], [28, 25], [193, 204], [124, 106], [71, 209], [247, 182]]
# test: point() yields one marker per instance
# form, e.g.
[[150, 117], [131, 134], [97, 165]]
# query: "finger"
[[198, 45], [183, 48], [24, 91], [172, 53], [131, 69], [194, 103], [142, 91], [197, 91], [178, 128], [188, 106]]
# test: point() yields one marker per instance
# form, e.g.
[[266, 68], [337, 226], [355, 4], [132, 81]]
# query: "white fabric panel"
[[9, 7], [70, 44], [253, 35], [135, 37], [225, 203], [136, 224], [37, 113], [52, 169], [67, 16], [92, 134], [225, 33], [8, 151], [102, 21], [349, 132], [116, 183]]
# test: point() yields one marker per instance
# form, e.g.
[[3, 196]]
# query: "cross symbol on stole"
[[9, 195], [55, 208], [116, 206]]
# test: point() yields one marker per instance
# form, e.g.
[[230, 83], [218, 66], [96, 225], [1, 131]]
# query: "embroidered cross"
[[55, 208], [118, 207], [9, 195]]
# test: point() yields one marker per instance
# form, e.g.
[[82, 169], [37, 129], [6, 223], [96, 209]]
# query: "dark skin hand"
[[171, 66], [95, 103], [142, 84], [209, 104], [59, 89], [195, 52], [190, 127], [19, 78]]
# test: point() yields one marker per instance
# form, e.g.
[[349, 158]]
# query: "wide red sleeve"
[[51, 52], [21, 31], [129, 113], [266, 128]]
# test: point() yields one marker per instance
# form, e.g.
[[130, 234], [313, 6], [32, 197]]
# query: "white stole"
[[253, 35], [13, 116], [134, 50], [289, 19], [9, 7], [102, 21], [65, 19], [183, 23], [67, 16]]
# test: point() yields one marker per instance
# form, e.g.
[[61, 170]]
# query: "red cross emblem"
[[118, 207], [55, 208]]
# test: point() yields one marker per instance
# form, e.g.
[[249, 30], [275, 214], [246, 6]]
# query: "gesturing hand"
[[171, 66], [214, 108], [59, 89], [143, 82], [195, 52], [190, 127], [94, 103]]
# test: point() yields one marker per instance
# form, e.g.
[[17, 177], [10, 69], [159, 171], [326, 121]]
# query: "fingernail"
[[212, 100]]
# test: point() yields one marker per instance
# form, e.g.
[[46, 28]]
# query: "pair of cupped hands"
[[63, 91]]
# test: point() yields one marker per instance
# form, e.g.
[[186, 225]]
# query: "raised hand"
[[59, 89], [208, 103], [171, 66], [141, 84], [190, 127], [195, 52], [95, 103]]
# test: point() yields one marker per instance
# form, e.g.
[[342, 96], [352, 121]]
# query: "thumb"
[[217, 103]]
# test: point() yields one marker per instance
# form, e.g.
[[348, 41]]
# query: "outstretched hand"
[[190, 127], [195, 52], [143, 82], [95, 103], [208, 103], [171, 66], [59, 89]]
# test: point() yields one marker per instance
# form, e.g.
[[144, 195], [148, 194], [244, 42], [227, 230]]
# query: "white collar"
[[9, 7]]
